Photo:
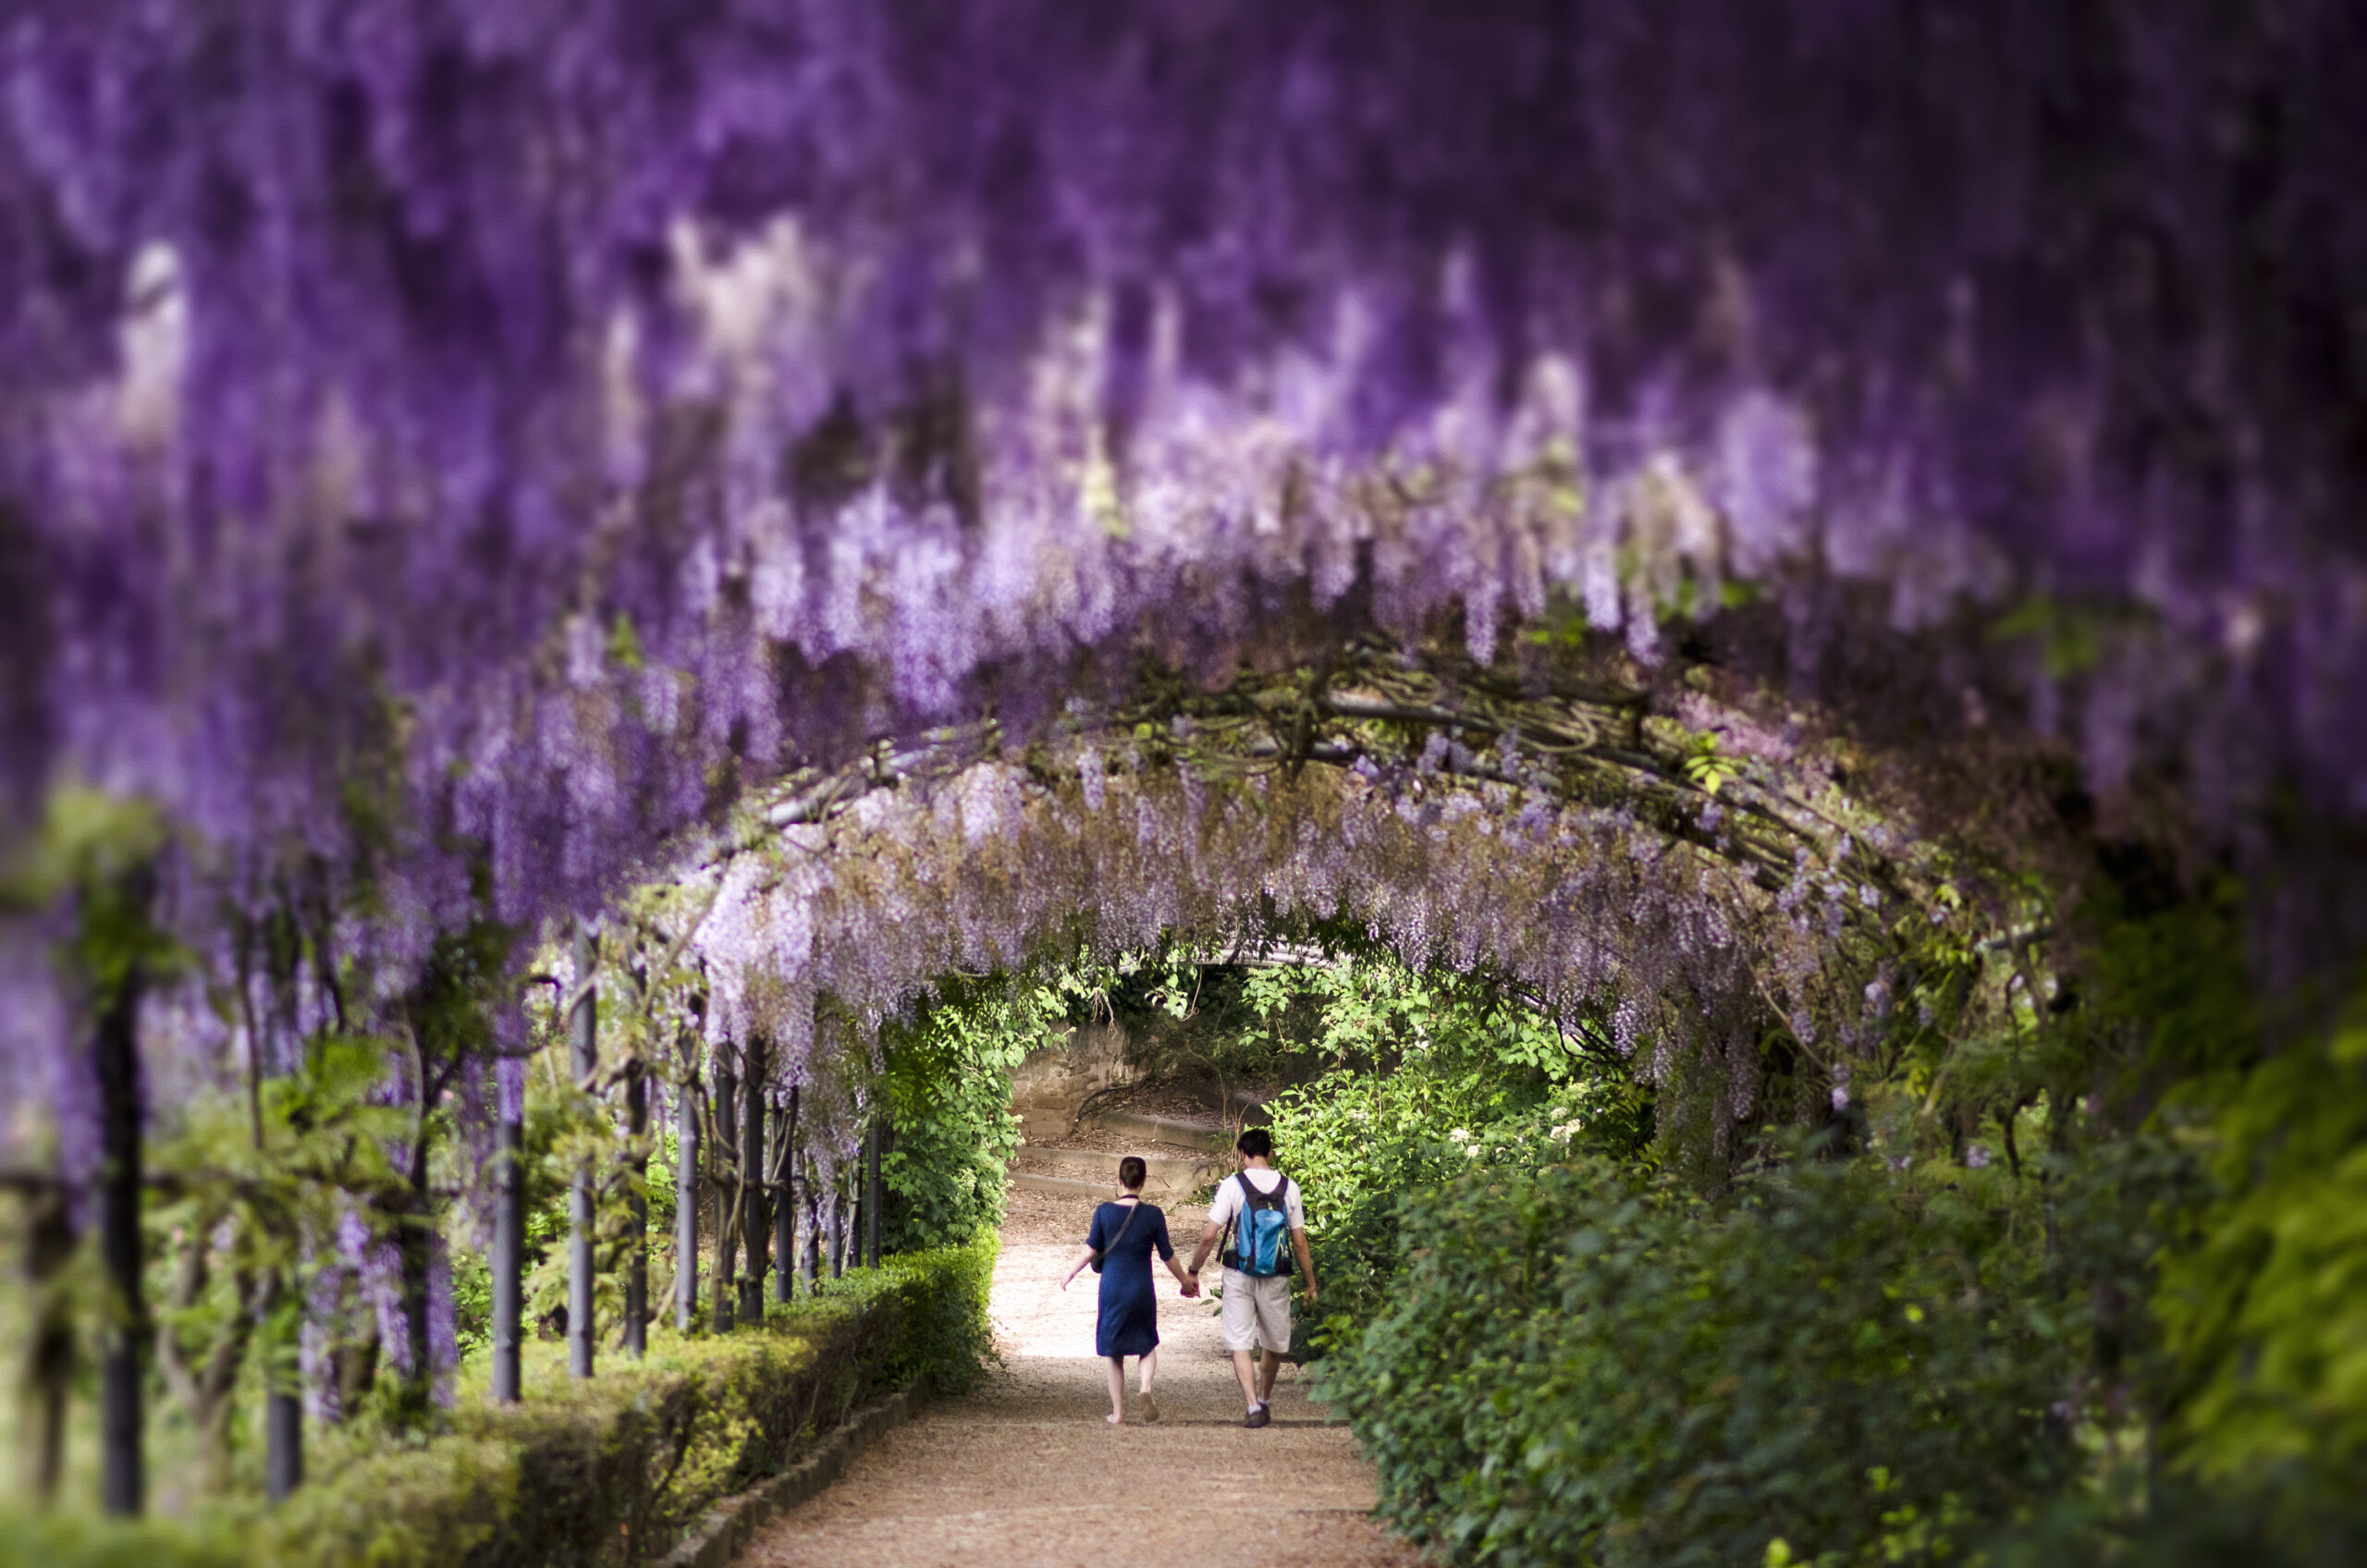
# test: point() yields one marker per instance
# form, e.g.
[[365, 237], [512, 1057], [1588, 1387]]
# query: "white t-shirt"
[[1226, 1204]]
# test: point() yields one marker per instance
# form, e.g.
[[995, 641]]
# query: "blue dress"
[[1128, 1322]]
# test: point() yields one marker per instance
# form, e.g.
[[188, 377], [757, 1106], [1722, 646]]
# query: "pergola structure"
[[1630, 493]]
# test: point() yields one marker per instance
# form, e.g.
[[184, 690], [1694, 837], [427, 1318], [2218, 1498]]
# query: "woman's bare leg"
[[1116, 1366], [1149, 1370]]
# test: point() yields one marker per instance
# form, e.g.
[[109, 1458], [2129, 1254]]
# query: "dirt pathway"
[[1025, 1472]]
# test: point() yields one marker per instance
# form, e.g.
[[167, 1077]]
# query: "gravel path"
[[1025, 1472]]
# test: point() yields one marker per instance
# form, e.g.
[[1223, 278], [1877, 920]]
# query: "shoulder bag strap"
[[1108, 1246]]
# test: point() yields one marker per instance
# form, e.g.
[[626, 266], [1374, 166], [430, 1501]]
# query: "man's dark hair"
[[1131, 1171], [1257, 1143]]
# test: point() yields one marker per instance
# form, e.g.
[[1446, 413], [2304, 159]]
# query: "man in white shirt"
[[1256, 1304]]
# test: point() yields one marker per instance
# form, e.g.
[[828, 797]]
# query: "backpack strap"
[[1287, 1263]]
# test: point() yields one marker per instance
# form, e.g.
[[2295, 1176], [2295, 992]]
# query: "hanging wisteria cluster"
[[963, 862], [543, 402], [449, 450]]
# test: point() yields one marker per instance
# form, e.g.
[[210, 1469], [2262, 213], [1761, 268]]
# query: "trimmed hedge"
[[42, 1540], [606, 1474]]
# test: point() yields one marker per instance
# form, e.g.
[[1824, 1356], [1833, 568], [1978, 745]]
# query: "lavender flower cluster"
[[989, 868], [551, 413]]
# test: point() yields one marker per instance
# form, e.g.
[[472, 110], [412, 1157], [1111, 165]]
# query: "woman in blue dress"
[[1125, 1233]]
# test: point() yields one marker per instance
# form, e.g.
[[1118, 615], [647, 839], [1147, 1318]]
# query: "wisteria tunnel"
[[613, 613]]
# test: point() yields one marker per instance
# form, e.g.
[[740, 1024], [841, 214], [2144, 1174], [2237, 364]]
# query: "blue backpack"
[[1262, 1231]]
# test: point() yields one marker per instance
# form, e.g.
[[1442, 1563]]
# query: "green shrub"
[[2253, 1357], [2266, 1312], [604, 1472], [2171, 1522], [1580, 1365], [621, 1465], [949, 1096], [1363, 1144], [40, 1541]]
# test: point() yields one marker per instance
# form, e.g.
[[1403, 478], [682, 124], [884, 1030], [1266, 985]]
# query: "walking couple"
[[1260, 1220]]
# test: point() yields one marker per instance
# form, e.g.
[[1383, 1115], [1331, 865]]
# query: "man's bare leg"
[[1268, 1364], [1248, 1375]]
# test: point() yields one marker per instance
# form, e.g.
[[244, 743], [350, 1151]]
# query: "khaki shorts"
[[1257, 1311]]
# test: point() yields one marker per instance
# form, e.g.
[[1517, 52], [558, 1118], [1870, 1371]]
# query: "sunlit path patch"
[[1025, 1472]]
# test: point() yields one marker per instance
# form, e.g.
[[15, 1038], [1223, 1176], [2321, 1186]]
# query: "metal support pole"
[[584, 1026], [812, 1255], [637, 1213], [754, 1227], [122, 1416], [686, 1205], [51, 1244], [509, 1260], [283, 1403], [282, 1326], [838, 1221], [785, 1207], [283, 1418], [726, 1114], [874, 1196]]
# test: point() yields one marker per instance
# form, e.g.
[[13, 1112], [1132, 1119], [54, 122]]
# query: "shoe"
[[1258, 1415], [1150, 1410]]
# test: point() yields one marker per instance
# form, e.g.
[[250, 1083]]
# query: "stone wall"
[[1048, 1088]]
